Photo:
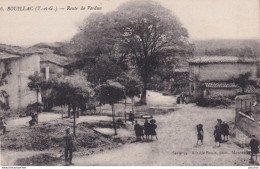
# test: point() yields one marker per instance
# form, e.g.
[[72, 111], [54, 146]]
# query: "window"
[[7, 66]]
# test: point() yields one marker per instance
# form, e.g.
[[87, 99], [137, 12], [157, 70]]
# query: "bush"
[[213, 101]]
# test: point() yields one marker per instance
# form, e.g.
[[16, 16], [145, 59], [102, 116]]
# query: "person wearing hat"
[[153, 126], [200, 133], [217, 135], [131, 117], [2, 125], [137, 129], [33, 121], [69, 146], [254, 144], [147, 129]]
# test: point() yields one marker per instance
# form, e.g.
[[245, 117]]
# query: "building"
[[16, 65], [52, 64], [181, 80], [211, 75], [247, 117]]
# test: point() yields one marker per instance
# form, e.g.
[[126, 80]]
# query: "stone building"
[[211, 75], [52, 64], [16, 65]]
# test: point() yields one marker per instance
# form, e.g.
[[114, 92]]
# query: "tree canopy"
[[143, 33]]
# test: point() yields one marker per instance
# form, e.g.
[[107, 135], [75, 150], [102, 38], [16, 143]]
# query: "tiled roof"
[[220, 59], [250, 89], [17, 50], [57, 59], [220, 85], [49, 56], [226, 85], [4, 56]]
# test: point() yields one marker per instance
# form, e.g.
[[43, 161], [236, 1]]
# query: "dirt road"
[[177, 140]]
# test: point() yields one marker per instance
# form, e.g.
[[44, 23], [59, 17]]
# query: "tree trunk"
[[100, 109], [77, 112], [125, 110], [133, 103], [113, 116], [74, 123], [143, 95], [69, 109], [37, 106]]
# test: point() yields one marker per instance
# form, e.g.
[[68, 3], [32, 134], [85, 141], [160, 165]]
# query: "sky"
[[204, 19]]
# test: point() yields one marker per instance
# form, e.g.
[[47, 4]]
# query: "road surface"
[[177, 141]]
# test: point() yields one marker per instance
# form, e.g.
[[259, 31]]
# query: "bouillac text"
[[20, 8]]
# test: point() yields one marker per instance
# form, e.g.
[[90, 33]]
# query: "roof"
[[220, 85], [250, 89], [227, 85], [17, 50], [48, 55], [4, 56], [56, 59], [220, 59]]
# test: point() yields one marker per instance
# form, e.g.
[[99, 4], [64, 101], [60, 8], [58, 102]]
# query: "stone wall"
[[19, 93], [54, 69], [224, 92], [221, 71], [247, 125]]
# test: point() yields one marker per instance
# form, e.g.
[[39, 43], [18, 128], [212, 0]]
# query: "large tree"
[[143, 33], [151, 35]]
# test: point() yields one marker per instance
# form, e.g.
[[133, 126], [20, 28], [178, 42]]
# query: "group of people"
[[221, 128], [148, 129], [183, 98]]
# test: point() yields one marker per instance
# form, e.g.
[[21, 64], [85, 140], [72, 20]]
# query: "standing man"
[[254, 143], [2, 125], [131, 117], [69, 146]]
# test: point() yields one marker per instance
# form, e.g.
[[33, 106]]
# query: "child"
[[147, 129], [225, 130], [200, 133], [217, 134], [153, 127]]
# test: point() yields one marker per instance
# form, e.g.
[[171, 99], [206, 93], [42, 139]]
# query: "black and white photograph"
[[129, 83]]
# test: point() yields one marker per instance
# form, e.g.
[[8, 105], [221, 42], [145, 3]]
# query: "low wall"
[[160, 110], [247, 125]]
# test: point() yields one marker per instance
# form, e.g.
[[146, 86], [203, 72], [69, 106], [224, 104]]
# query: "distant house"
[[211, 75], [52, 64], [181, 80], [16, 65]]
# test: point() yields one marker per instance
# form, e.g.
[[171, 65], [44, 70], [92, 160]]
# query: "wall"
[[221, 71], [54, 69], [247, 125], [224, 92], [17, 89]]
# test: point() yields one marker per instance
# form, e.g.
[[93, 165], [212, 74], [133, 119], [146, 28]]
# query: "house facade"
[[52, 65], [212, 75], [16, 65], [181, 80]]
